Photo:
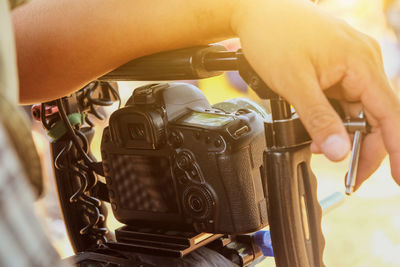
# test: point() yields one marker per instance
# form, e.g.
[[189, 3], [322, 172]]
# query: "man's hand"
[[306, 55], [300, 52]]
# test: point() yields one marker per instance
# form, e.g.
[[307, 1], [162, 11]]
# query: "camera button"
[[176, 139], [194, 175], [184, 161], [218, 142]]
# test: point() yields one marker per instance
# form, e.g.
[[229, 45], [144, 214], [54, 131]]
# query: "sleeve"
[[23, 240]]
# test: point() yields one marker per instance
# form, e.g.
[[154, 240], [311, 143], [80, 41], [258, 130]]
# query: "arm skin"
[[300, 52]]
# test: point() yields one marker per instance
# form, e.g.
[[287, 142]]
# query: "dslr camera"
[[173, 161], [190, 182]]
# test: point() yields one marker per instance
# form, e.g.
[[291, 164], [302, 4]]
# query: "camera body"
[[173, 161]]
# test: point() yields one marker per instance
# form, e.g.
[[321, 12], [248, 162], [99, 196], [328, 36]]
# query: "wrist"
[[245, 11]]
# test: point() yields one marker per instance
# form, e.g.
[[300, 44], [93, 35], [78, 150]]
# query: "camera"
[[190, 182], [173, 161]]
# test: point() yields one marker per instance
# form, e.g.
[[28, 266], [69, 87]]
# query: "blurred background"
[[362, 230]]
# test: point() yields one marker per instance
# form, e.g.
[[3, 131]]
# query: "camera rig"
[[294, 214]]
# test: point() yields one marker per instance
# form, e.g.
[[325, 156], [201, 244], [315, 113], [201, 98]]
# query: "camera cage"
[[293, 210]]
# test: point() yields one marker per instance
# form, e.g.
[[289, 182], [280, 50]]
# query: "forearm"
[[63, 44], [297, 49]]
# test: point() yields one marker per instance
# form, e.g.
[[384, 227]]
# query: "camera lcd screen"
[[208, 119], [144, 183]]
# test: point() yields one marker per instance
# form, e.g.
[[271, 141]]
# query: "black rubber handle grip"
[[293, 209], [181, 64]]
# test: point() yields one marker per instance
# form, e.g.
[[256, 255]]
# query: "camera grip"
[[241, 177], [293, 209]]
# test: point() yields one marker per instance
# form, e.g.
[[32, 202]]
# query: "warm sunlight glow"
[[365, 229]]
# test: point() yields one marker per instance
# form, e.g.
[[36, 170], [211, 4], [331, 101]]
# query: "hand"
[[306, 55], [298, 50]]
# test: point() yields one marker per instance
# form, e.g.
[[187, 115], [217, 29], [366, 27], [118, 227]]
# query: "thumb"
[[319, 118]]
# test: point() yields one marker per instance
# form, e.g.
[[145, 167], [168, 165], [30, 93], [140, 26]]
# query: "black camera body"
[[173, 161]]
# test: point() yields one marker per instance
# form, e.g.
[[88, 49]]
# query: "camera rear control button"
[[194, 175], [184, 161], [197, 135], [176, 139], [218, 142]]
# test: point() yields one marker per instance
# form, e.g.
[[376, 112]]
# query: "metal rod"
[[351, 175], [221, 61]]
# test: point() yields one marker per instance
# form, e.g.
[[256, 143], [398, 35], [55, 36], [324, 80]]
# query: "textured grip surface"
[[293, 209], [240, 174]]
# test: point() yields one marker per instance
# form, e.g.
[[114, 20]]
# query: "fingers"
[[319, 118], [372, 153], [382, 106], [386, 110], [314, 148], [391, 137]]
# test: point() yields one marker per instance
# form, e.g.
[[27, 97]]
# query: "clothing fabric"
[[24, 243], [8, 67], [14, 121], [15, 3], [21, 139]]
